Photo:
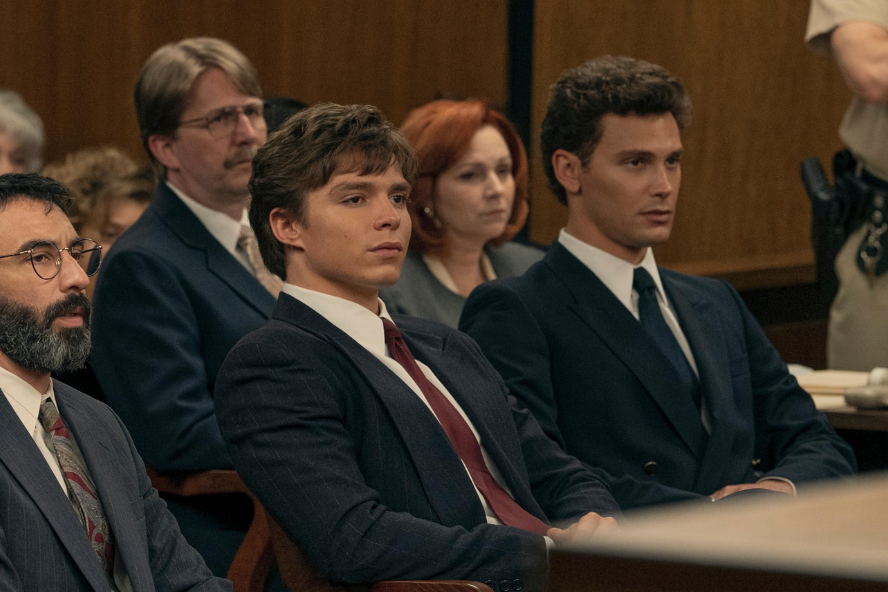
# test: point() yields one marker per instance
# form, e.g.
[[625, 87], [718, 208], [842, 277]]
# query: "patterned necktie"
[[247, 243], [652, 320], [80, 487], [463, 440]]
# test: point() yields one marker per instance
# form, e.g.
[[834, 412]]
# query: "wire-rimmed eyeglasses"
[[46, 257], [222, 122]]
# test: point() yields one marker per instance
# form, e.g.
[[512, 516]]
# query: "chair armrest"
[[202, 483], [429, 586], [251, 564]]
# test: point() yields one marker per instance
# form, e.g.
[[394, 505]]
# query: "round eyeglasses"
[[46, 257], [222, 122]]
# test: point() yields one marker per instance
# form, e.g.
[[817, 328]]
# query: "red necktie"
[[82, 489], [463, 440]]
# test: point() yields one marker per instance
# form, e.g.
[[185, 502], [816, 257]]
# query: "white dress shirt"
[[25, 401], [223, 227], [366, 328]]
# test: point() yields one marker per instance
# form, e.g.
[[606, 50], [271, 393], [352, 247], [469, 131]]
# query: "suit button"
[[650, 467], [505, 586], [517, 585], [490, 584]]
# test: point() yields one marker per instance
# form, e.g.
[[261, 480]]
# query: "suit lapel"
[[704, 333], [621, 332], [23, 459], [191, 231], [102, 462], [490, 421], [430, 450]]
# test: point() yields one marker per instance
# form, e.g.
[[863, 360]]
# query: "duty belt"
[[871, 254]]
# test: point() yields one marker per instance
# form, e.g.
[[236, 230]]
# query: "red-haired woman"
[[468, 201]]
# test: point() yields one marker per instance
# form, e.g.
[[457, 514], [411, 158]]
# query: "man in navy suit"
[[77, 511], [186, 281], [385, 446], [663, 380]]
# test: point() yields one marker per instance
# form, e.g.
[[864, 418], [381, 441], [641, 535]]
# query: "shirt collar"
[[615, 273], [223, 228], [24, 398], [353, 319]]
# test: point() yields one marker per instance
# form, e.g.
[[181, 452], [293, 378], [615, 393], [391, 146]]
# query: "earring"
[[430, 214]]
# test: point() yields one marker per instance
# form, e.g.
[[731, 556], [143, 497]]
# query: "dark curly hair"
[[35, 188], [608, 84]]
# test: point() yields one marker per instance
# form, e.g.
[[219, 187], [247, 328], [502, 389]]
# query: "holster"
[[837, 211]]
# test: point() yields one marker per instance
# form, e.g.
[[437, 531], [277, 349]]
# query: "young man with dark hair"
[[77, 511], [378, 464], [663, 380]]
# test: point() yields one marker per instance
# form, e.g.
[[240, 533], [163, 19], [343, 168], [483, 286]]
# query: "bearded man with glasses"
[[77, 510], [186, 281]]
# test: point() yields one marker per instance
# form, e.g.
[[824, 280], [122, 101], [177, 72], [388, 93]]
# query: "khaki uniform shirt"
[[864, 129]]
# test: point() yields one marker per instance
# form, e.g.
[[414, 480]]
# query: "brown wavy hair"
[[441, 132], [305, 153]]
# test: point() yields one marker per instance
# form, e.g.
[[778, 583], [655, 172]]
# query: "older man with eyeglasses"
[[77, 510], [186, 281]]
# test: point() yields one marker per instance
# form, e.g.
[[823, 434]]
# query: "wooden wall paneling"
[[762, 102], [396, 54], [28, 63], [75, 61]]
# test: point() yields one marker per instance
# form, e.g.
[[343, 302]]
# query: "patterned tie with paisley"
[[81, 488]]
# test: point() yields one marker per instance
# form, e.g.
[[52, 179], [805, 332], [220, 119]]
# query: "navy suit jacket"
[[357, 470], [43, 545], [170, 302], [572, 353]]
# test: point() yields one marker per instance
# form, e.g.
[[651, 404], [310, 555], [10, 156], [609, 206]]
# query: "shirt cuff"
[[784, 479]]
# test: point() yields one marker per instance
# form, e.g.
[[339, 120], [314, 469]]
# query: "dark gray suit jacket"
[[357, 470], [572, 353], [419, 293], [43, 546]]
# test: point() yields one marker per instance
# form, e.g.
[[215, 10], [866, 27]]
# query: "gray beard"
[[34, 345]]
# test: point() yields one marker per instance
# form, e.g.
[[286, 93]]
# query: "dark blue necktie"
[[652, 320]]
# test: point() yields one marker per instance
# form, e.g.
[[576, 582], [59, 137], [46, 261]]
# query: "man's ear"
[[568, 167], [286, 229], [163, 149]]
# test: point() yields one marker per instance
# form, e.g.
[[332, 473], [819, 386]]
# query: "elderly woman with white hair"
[[21, 135]]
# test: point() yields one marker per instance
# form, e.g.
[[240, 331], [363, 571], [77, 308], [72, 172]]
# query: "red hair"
[[441, 132]]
